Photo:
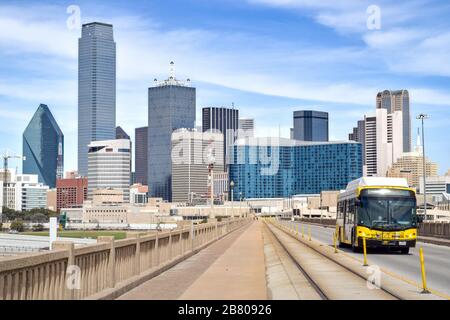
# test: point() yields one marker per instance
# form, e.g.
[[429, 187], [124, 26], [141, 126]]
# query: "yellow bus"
[[383, 210]]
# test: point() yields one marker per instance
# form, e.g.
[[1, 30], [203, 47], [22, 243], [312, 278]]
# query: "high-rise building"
[[141, 155], [223, 120], [410, 166], [393, 101], [246, 127], [280, 168], [96, 88], [192, 151], [109, 167], [311, 126], [171, 105], [382, 139], [43, 145], [359, 135], [121, 134], [71, 193]]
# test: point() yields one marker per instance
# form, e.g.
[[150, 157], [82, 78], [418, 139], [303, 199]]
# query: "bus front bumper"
[[375, 243]]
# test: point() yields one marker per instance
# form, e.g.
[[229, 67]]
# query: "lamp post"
[[232, 200], [240, 204], [423, 117]]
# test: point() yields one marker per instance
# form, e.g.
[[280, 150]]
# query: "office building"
[[192, 151], [394, 101], [438, 187], [43, 146], [109, 166], [223, 120], [71, 192], [51, 200], [171, 105], [96, 88], [280, 168], [311, 126], [121, 134], [410, 166], [25, 193], [359, 135], [246, 127], [138, 194], [141, 155], [382, 140]]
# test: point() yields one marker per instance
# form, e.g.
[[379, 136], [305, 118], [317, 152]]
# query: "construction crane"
[[6, 156]]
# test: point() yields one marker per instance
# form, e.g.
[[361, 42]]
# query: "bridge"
[[239, 259]]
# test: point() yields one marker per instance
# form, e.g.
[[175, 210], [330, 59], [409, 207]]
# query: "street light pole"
[[423, 117]]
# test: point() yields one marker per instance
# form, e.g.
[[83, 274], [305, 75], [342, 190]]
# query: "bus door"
[[349, 219]]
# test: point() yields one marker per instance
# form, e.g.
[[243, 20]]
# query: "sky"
[[268, 57]]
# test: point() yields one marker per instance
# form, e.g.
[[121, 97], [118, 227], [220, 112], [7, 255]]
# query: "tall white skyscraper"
[[383, 143], [393, 101], [96, 88], [109, 166]]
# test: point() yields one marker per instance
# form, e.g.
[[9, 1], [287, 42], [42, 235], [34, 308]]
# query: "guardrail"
[[78, 273], [439, 229]]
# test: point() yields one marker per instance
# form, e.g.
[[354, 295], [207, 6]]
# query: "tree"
[[17, 225]]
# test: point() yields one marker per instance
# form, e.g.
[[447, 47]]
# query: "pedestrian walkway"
[[231, 268]]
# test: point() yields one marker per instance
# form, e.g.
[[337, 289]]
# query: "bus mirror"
[[358, 203], [419, 219]]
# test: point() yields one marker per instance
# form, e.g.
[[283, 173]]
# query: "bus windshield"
[[387, 212]]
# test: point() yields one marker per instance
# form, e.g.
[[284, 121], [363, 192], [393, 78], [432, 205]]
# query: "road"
[[437, 260]]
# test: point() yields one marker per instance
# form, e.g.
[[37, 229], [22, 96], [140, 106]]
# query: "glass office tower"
[[43, 147], [311, 125], [96, 88], [171, 106], [281, 167]]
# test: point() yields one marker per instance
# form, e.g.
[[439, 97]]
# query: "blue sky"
[[269, 57]]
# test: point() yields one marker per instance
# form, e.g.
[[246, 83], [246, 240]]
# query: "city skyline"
[[54, 71]]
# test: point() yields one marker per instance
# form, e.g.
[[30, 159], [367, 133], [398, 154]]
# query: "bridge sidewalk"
[[231, 268]]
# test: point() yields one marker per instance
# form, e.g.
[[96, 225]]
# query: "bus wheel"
[[404, 250]]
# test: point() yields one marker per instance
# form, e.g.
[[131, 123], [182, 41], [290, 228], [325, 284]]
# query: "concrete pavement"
[[231, 268]]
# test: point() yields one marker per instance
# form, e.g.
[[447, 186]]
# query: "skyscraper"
[[141, 155], [311, 126], [171, 105], [109, 166], [96, 88], [43, 146], [190, 150], [246, 127], [225, 120], [398, 101], [121, 134], [280, 168]]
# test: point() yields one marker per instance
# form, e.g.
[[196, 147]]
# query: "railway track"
[[329, 279]]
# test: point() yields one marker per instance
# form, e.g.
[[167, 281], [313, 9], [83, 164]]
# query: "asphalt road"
[[437, 260]]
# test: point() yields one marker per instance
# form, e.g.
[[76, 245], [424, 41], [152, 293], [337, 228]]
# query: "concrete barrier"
[[80, 273], [439, 229]]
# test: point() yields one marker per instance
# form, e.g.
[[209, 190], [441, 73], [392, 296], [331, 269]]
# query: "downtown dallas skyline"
[[268, 74]]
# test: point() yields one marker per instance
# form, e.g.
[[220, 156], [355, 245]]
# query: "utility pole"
[[423, 117]]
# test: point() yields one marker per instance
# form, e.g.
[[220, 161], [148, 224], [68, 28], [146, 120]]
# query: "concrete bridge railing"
[[107, 267], [438, 229]]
